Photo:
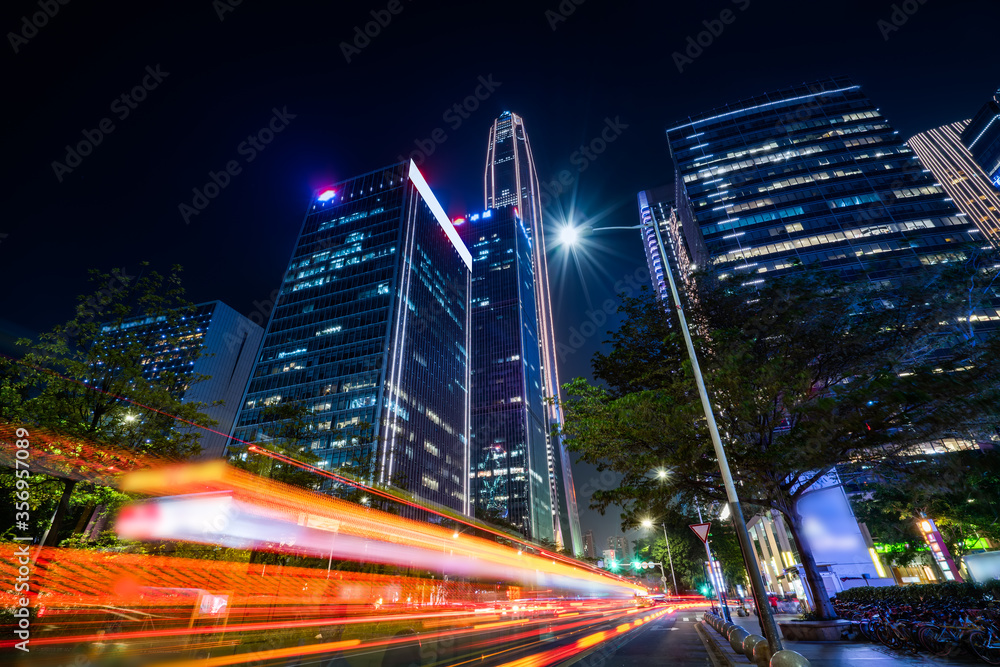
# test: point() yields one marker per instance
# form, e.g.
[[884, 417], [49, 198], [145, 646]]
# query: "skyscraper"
[[510, 472], [510, 180], [813, 173], [941, 150], [982, 138], [216, 342], [371, 325]]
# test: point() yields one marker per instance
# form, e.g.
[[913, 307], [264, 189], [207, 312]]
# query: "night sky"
[[216, 73]]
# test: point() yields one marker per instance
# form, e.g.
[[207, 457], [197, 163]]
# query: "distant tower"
[[589, 550], [372, 325], [510, 180]]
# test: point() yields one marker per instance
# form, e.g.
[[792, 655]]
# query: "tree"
[[959, 490], [686, 550], [805, 371], [85, 378]]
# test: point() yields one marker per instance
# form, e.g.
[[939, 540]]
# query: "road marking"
[[686, 619]]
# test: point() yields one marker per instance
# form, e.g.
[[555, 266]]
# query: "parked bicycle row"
[[942, 628]]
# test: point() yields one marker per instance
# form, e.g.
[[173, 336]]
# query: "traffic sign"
[[664, 580], [701, 530]]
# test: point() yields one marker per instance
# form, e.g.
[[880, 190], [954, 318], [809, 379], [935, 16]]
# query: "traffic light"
[[636, 565], [614, 565]]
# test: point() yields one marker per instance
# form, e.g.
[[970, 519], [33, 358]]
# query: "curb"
[[716, 654]]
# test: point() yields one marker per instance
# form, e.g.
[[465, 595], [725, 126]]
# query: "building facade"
[[658, 209], [982, 138], [371, 327], [508, 445], [621, 546], [589, 549], [810, 174], [510, 180], [217, 343], [941, 150]]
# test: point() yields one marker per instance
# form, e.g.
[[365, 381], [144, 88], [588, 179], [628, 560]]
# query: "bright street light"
[[569, 235], [646, 523]]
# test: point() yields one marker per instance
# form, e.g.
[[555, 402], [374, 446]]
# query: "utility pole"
[[670, 558]]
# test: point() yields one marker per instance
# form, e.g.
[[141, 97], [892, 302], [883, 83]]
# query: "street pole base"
[[788, 659]]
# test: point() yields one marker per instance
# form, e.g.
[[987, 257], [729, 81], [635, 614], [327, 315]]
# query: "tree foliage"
[[688, 552], [805, 371], [85, 379], [959, 490]]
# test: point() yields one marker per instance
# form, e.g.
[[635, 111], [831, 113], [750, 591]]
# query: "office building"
[[809, 174], [941, 150], [510, 179], [589, 550], [214, 341], [620, 545], [371, 326], [982, 138], [658, 207], [509, 459]]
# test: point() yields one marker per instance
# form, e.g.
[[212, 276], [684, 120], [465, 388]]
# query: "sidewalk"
[[829, 654]]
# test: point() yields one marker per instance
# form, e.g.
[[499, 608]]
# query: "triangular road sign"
[[701, 530]]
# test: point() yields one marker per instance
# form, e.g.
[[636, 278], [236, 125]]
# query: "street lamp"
[[648, 523], [749, 559]]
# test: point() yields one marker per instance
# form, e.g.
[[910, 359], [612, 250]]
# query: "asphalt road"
[[669, 640]]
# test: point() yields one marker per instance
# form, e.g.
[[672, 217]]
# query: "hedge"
[[952, 591]]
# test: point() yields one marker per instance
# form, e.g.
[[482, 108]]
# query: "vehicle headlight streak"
[[264, 514]]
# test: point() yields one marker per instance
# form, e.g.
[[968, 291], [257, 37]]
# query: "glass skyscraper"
[[982, 138], [510, 180], [942, 151], [215, 342], [371, 325], [509, 457], [813, 173]]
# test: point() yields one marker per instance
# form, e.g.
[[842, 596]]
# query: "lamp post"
[[749, 559]]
